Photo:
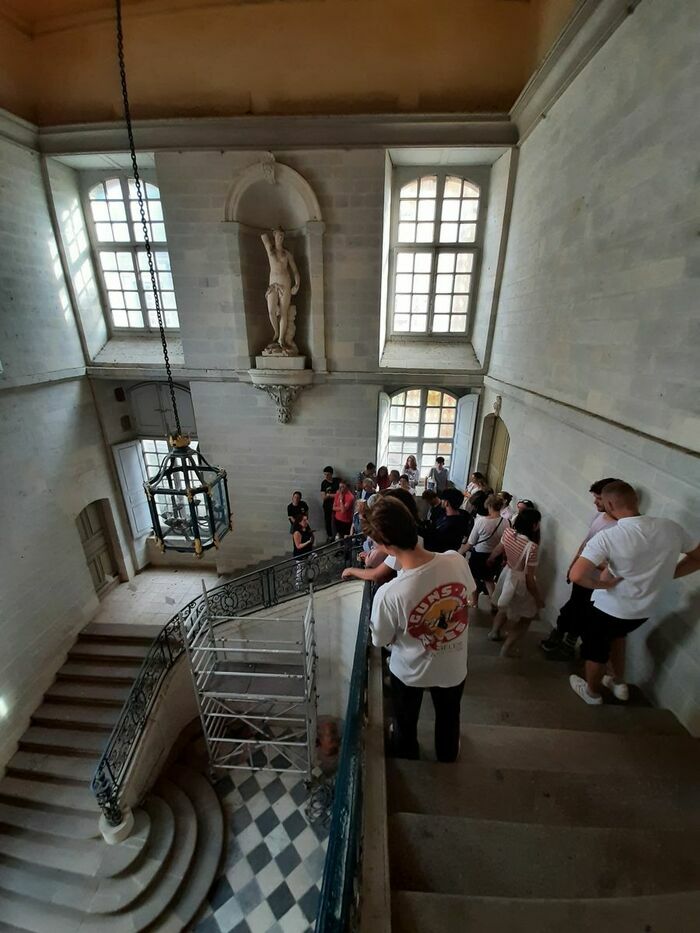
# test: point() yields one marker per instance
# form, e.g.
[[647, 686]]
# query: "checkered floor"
[[271, 877]]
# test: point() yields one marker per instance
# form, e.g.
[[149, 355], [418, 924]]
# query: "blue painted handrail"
[[337, 905]]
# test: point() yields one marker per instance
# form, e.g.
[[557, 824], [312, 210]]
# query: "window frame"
[[402, 175], [420, 438], [88, 180]]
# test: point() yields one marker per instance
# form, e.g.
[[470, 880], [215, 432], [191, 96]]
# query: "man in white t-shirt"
[[423, 616], [627, 567], [560, 645]]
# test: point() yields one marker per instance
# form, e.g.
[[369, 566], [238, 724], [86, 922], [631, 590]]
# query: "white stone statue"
[[279, 296]]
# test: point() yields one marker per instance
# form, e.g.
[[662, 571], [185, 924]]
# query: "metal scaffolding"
[[255, 681]]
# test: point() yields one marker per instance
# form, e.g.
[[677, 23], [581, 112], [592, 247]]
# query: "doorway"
[[498, 454], [93, 528]]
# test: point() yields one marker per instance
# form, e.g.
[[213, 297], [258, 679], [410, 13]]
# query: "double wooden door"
[[498, 456]]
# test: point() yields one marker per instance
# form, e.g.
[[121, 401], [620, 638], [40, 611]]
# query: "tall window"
[[422, 423], [118, 241], [435, 232]]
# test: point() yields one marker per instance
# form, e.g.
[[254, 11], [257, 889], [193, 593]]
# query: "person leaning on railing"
[[381, 570], [423, 616]]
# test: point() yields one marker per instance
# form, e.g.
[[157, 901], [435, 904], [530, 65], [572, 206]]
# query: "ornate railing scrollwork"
[[247, 593]]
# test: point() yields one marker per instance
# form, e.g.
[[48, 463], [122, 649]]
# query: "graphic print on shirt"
[[440, 617]]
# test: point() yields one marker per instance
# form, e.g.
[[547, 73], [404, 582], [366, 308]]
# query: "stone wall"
[[595, 353], [53, 461]]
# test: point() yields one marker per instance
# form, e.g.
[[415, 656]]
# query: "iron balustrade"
[[339, 901], [248, 593]]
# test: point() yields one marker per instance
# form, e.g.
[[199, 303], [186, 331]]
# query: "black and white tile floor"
[[271, 877]]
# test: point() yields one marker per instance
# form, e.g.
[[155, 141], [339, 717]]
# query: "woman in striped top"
[[517, 596]]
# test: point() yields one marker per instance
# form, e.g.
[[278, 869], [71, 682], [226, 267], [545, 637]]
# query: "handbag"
[[513, 580]]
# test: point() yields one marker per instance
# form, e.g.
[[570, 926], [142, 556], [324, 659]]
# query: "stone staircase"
[[558, 816], [57, 875]]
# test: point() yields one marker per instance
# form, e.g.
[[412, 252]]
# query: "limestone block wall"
[[52, 458], [595, 352]]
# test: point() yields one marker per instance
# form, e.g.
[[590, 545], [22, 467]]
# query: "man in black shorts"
[[626, 566]]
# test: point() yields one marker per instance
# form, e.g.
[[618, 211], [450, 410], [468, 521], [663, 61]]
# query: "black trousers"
[[328, 516], [573, 613], [407, 704]]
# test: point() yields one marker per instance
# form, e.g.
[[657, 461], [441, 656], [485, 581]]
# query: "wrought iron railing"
[[248, 593], [339, 899]]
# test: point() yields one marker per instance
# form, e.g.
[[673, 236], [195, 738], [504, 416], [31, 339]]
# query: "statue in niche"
[[279, 295]]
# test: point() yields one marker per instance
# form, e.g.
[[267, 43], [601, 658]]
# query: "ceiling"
[[39, 17]]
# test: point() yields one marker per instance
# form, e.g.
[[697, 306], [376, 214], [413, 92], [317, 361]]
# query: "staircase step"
[[47, 794], [48, 766], [32, 819], [671, 756], [526, 860], [100, 651], [512, 681], [418, 912], [65, 715], [569, 713], [77, 742], [207, 855], [92, 672], [25, 915], [545, 797], [89, 857], [90, 694], [115, 632]]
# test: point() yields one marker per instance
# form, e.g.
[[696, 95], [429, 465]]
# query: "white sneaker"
[[579, 685], [620, 691]]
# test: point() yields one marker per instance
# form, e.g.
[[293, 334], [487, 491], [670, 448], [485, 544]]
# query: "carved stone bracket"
[[283, 397]]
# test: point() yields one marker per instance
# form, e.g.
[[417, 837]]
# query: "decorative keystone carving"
[[283, 397]]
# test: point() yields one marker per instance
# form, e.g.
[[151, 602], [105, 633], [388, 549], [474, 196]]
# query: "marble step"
[[545, 797], [89, 857], [114, 632], [62, 741], [569, 713], [671, 756], [419, 912], [207, 854], [47, 766], [88, 894], [491, 858], [31, 819], [104, 651], [70, 716], [87, 694], [89, 671], [47, 794], [510, 679]]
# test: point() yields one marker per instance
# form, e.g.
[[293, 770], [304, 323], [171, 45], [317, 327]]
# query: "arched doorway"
[[94, 528]]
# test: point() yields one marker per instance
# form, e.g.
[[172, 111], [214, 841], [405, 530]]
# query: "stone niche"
[[264, 196]]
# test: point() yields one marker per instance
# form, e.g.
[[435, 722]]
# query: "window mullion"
[[141, 290]]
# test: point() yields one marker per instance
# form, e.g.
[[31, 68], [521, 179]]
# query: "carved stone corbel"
[[284, 397]]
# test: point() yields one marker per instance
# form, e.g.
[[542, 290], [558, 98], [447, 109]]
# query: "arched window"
[[434, 251], [118, 241], [422, 423]]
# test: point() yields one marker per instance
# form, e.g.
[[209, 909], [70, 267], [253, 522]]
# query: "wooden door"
[[96, 545], [498, 456]]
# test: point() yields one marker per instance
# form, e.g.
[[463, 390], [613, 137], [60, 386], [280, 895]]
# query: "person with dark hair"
[[370, 473], [383, 481], [302, 542], [627, 565], [329, 487], [379, 573], [560, 644], [295, 509], [484, 537], [343, 510], [423, 615], [517, 596], [524, 504], [435, 510], [507, 512], [404, 483], [453, 527], [477, 483], [394, 477], [438, 477], [410, 469], [476, 504]]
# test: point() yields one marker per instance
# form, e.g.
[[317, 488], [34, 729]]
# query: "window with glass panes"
[[118, 241], [422, 423], [434, 252], [154, 450]]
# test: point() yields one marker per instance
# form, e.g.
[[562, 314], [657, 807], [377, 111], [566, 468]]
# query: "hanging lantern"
[[188, 500], [188, 497]]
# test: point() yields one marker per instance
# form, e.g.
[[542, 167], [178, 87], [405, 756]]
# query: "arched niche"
[[263, 196]]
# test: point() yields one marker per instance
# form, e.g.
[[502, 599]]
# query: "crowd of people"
[[433, 555]]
